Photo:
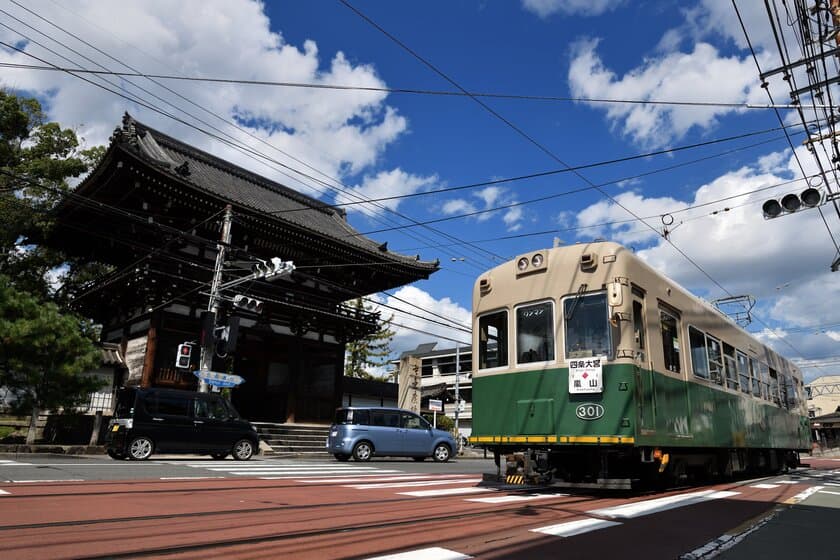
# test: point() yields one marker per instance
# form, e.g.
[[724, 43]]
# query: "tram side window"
[[535, 333], [774, 387], [729, 363], [785, 388], [715, 359], [765, 381], [699, 360], [492, 340], [587, 326], [638, 324], [755, 374], [744, 372], [670, 341]]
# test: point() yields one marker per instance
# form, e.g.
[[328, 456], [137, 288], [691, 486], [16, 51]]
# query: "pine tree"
[[371, 351]]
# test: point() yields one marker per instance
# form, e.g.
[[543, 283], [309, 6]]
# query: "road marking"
[[10, 463], [829, 492], [376, 478], [189, 477], [803, 495], [571, 528], [49, 480], [765, 486], [445, 492], [514, 498], [435, 553], [413, 483], [647, 507], [338, 478], [788, 481], [4, 493]]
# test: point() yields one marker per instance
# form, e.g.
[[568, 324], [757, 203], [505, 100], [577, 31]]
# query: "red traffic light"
[[184, 349]]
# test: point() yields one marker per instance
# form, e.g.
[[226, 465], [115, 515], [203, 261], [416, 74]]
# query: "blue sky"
[[380, 144]]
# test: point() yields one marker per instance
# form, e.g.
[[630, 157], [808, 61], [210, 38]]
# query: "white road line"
[[446, 492], [413, 483], [647, 507], [189, 477], [338, 479], [829, 492], [49, 480], [514, 498], [376, 478], [788, 481], [290, 469], [4, 493], [764, 485], [435, 553], [805, 494], [571, 528], [10, 463]]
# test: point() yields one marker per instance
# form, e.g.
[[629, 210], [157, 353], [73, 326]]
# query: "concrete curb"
[[53, 449]]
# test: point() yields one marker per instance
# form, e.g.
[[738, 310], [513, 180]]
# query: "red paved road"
[[250, 518]]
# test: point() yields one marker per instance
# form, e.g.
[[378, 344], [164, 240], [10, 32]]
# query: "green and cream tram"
[[591, 367]]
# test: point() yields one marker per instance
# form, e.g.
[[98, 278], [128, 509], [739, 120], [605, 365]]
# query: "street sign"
[[435, 405], [218, 379]]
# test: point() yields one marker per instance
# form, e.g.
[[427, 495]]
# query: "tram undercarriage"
[[634, 467]]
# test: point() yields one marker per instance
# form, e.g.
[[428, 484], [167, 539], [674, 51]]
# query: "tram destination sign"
[[586, 375]]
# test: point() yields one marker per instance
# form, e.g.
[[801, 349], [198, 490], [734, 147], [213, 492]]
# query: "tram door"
[[645, 396]]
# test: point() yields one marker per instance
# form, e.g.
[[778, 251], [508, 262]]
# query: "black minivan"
[[156, 420]]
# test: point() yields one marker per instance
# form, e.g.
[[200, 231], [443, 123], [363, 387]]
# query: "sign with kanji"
[[586, 375]]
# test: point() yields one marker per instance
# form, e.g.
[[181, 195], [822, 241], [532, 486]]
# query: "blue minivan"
[[362, 432]]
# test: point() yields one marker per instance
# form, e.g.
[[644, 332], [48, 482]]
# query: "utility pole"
[[213, 304], [457, 393]]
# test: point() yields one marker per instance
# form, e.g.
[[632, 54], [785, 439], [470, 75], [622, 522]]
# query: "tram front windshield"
[[587, 327]]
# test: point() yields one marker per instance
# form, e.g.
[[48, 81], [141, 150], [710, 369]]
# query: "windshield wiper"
[[575, 302]]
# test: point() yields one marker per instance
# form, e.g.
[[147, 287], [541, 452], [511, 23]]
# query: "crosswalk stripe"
[[571, 528], [514, 498], [446, 491], [764, 486], [4, 493], [413, 483], [260, 472], [338, 478], [647, 507], [377, 478], [292, 468], [434, 553]]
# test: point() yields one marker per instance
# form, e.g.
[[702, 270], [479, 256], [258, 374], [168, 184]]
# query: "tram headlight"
[[537, 260], [522, 264]]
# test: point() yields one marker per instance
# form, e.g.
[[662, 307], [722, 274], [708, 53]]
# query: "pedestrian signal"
[[184, 356]]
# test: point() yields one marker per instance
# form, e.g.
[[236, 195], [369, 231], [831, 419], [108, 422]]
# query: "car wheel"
[[140, 448], [243, 450], [342, 457], [115, 455], [419, 459], [441, 453], [363, 451], [218, 456]]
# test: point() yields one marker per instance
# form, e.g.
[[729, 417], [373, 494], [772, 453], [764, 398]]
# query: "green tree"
[[43, 353], [37, 158], [371, 351]]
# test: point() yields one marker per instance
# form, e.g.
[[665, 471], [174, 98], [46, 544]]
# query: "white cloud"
[[546, 8], [625, 232], [700, 75], [338, 134], [489, 198], [422, 326], [384, 184]]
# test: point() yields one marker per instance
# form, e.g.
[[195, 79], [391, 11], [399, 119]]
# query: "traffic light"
[[184, 354], [792, 202], [247, 303], [271, 268]]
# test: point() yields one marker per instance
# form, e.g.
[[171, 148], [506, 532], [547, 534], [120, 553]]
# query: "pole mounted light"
[[792, 202]]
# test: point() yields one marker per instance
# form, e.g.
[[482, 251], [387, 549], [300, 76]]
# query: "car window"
[[352, 416], [213, 409], [387, 419], [157, 403], [413, 422]]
